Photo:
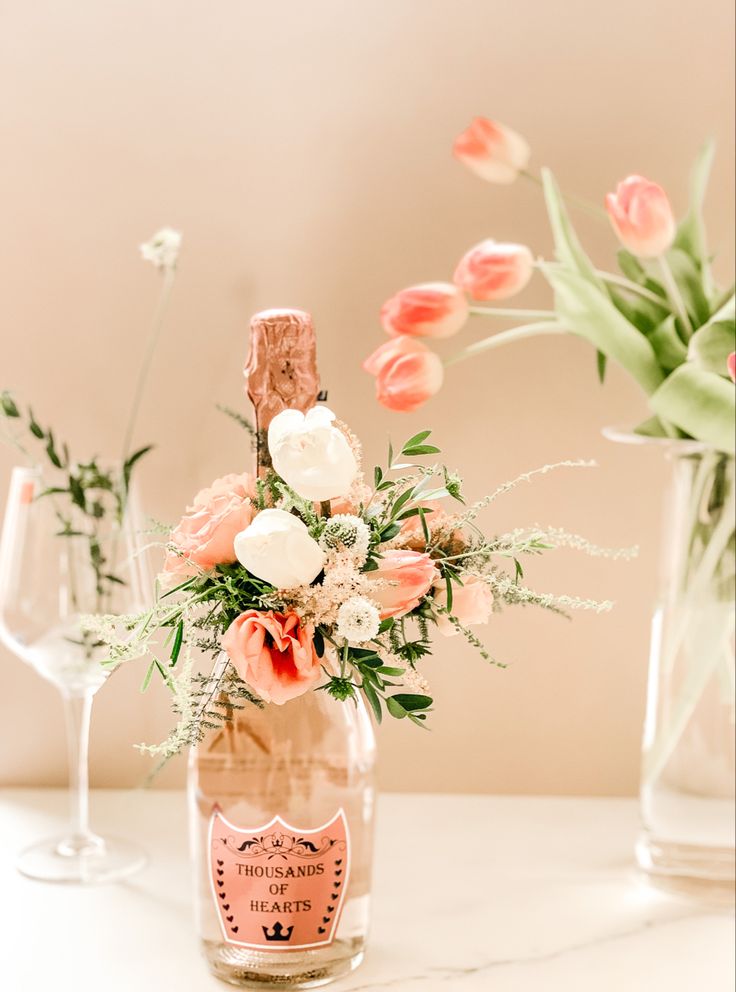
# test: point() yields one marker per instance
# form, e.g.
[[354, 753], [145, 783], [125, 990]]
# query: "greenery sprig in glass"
[[90, 497]]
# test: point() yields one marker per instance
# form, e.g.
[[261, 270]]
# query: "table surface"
[[509, 894]]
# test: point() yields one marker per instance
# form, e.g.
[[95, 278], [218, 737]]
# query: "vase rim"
[[672, 445]]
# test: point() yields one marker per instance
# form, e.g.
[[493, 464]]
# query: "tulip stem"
[[592, 209], [155, 333], [511, 312], [673, 291], [634, 287], [515, 334]]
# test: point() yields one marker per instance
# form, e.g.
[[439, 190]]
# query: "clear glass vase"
[[687, 787], [281, 804]]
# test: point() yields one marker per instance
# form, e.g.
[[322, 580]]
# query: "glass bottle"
[[281, 799]]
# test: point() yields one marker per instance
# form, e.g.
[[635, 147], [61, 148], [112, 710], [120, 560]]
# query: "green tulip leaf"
[[700, 403], [568, 249], [690, 283], [668, 345], [691, 231], [586, 310], [713, 343]]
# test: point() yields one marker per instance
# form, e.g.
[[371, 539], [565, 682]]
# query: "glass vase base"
[[705, 874], [251, 969], [96, 861]]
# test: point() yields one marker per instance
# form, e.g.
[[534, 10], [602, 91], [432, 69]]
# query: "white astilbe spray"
[[475, 509], [508, 590], [358, 620], [556, 537]]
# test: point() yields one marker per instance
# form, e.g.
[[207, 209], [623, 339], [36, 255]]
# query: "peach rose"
[[642, 217], [407, 373], [471, 604], [492, 151], [731, 365], [494, 271], [205, 535], [408, 577], [273, 653], [430, 310]]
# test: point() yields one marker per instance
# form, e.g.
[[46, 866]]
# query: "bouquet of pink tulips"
[[662, 318]]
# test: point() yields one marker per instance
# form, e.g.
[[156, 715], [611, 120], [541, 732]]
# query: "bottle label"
[[277, 887]]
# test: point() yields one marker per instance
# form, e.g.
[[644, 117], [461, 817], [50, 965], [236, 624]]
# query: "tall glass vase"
[[281, 803], [687, 786]]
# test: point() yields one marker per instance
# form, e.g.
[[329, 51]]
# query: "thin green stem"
[[153, 337], [673, 291], [511, 312], [592, 209], [632, 287], [505, 337]]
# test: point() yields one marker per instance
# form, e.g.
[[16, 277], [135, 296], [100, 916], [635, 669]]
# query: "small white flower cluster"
[[163, 248], [358, 620]]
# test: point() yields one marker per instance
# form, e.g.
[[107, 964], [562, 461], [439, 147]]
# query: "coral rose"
[[494, 271], [404, 579], [273, 653], [407, 373], [205, 535], [430, 310], [472, 603], [492, 151], [642, 217]]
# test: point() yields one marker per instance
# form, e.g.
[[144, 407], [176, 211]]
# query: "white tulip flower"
[[312, 455], [277, 548]]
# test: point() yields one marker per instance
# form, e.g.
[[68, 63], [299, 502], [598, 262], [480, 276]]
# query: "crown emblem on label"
[[278, 933]]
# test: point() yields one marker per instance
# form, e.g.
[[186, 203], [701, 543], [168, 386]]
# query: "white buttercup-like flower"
[[310, 454], [163, 248], [277, 548], [358, 620]]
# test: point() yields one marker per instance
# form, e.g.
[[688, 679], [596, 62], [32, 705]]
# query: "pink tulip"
[[430, 310], [492, 151], [472, 603], [407, 373], [493, 271], [642, 217], [401, 580], [731, 365]]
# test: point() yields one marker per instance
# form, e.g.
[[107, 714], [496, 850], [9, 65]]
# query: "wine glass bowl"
[[55, 569]]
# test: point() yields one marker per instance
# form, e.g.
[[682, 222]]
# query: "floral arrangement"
[[310, 578], [662, 317], [91, 496]]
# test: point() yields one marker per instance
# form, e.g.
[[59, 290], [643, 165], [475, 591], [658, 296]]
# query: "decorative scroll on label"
[[277, 887]]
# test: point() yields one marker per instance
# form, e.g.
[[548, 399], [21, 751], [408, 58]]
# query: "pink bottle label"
[[277, 887]]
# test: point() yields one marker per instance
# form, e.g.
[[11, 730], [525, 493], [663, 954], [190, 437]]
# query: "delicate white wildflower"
[[414, 681], [358, 620], [346, 532], [163, 248]]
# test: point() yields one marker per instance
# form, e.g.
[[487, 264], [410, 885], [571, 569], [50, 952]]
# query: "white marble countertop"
[[500, 894]]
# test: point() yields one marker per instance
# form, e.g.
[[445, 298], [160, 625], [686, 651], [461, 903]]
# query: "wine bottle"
[[281, 798]]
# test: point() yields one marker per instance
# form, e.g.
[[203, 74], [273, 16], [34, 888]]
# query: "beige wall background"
[[304, 151]]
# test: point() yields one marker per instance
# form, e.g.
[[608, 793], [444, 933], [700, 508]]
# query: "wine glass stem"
[[77, 711]]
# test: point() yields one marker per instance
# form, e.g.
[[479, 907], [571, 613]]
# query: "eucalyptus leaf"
[[700, 403]]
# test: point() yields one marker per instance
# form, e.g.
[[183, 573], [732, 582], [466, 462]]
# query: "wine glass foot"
[[91, 861]]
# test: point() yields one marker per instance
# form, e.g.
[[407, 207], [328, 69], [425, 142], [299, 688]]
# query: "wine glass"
[[54, 569]]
